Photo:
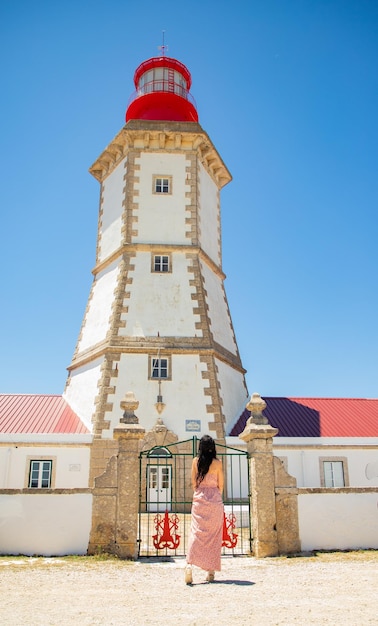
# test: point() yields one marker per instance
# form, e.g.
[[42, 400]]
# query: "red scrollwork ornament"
[[229, 539], [166, 535]]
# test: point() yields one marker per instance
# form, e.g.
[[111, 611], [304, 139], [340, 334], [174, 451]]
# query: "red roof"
[[38, 414], [318, 417]]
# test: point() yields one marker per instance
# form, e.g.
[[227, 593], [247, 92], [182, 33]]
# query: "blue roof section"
[[318, 417]]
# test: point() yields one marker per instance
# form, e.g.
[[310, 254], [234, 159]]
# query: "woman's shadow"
[[241, 583]]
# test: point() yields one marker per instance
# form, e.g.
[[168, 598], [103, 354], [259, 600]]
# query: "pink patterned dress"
[[205, 542]]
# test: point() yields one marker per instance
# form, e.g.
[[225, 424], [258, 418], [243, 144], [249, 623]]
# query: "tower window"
[[40, 474], [162, 184], [161, 263], [159, 368]]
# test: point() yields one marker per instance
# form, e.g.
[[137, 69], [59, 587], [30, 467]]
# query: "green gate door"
[[165, 499]]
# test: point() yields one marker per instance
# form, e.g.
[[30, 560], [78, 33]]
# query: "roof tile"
[[22, 413], [318, 417]]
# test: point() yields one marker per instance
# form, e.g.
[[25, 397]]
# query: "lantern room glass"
[[162, 79]]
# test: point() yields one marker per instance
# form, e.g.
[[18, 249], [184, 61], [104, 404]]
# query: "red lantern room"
[[162, 92]]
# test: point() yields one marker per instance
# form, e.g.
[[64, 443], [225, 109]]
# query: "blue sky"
[[287, 91]]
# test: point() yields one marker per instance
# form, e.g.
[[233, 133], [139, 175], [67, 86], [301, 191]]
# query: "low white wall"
[[338, 521], [70, 464], [305, 464], [48, 525]]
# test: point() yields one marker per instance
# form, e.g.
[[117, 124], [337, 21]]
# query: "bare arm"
[[220, 476], [194, 472]]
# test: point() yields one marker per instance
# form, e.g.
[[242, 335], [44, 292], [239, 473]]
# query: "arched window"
[[159, 452]]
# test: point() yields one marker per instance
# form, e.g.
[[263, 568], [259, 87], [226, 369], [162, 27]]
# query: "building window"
[[40, 474], [159, 368], [161, 263], [333, 472], [162, 184]]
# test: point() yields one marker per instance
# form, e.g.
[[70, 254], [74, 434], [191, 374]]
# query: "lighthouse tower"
[[157, 322]]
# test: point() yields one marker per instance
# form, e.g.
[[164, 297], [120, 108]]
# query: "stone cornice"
[[167, 136], [335, 490], [130, 248], [146, 345]]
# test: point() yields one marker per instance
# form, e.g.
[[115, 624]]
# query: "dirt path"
[[330, 588]]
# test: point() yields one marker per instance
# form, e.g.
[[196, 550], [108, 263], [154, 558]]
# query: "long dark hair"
[[206, 454]]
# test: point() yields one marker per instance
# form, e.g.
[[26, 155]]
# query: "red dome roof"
[[162, 92]]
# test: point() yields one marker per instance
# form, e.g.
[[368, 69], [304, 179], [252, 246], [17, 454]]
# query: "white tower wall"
[[167, 294], [209, 215], [219, 315], [136, 313], [182, 405], [82, 390], [97, 318], [161, 217], [110, 226], [233, 403]]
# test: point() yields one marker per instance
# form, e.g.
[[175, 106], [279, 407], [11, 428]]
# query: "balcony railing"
[[162, 86]]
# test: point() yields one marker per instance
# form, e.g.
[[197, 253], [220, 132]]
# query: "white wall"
[[304, 463], [221, 326], [97, 318], [49, 525], [209, 216], [333, 520], [233, 392], [160, 302], [184, 395], [339, 521], [82, 390], [237, 473], [111, 220], [70, 465], [161, 217]]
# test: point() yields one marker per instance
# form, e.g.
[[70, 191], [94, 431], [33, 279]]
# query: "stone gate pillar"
[[128, 433], [116, 490], [258, 435], [286, 510]]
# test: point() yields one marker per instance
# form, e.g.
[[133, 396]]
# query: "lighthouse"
[[157, 322]]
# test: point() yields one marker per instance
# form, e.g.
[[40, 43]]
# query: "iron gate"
[[165, 499]]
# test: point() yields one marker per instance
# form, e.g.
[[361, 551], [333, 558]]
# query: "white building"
[[330, 446], [157, 323], [45, 502]]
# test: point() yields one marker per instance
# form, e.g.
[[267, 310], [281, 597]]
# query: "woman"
[[205, 542]]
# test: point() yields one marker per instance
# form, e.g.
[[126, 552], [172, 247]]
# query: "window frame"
[[40, 471], [161, 256], [333, 459], [151, 367], [40, 458], [162, 192]]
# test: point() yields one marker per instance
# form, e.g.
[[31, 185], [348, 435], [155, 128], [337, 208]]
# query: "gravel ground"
[[325, 588]]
